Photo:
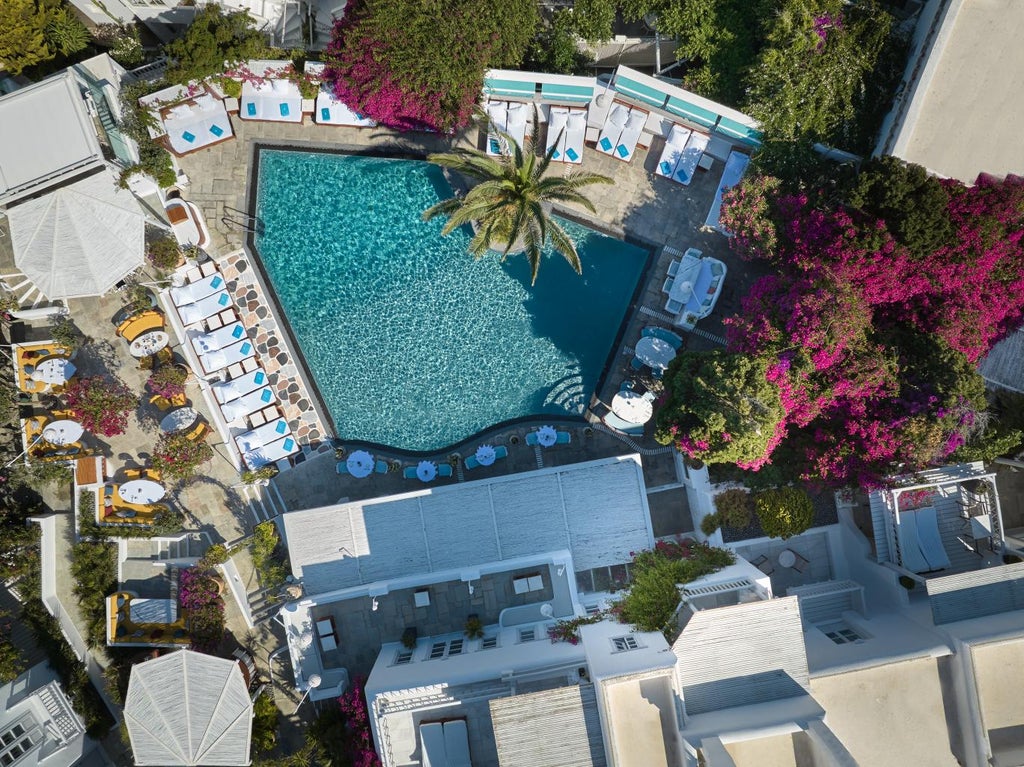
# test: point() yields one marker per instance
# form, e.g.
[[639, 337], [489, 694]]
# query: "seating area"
[[42, 367], [445, 744], [693, 285], [46, 439], [510, 118], [145, 622], [621, 131], [187, 223], [329, 109], [186, 123], [113, 509]]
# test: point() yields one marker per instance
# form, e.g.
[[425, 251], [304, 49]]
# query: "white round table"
[[149, 343], [655, 352], [547, 436], [63, 432], [426, 471], [485, 455], [53, 371], [178, 420], [360, 464], [141, 491], [633, 407], [787, 558]]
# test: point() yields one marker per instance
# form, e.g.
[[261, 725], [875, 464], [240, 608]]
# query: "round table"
[[655, 352], [787, 558], [360, 464], [547, 436], [485, 455], [63, 432], [633, 407], [141, 491], [426, 471], [179, 420], [149, 343], [53, 371]]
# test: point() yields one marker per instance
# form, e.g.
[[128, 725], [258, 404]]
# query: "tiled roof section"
[[741, 655], [976, 594], [598, 511], [554, 728]]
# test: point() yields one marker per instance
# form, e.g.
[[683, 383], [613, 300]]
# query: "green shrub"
[[164, 253], [64, 332], [231, 88], [264, 723], [217, 554], [66, 33], [733, 508], [266, 556], [710, 524], [784, 512], [94, 571]]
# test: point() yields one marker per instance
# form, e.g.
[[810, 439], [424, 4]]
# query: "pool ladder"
[[242, 220]]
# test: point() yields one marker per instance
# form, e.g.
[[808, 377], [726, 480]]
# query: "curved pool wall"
[[408, 342]]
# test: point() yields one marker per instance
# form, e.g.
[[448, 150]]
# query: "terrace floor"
[[811, 546]]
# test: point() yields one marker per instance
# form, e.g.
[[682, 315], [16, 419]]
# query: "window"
[[527, 635], [622, 644], [840, 633], [402, 657], [455, 647], [592, 609], [489, 643], [437, 650]]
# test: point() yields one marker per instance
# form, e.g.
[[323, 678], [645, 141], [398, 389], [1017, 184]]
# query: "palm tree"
[[511, 205]]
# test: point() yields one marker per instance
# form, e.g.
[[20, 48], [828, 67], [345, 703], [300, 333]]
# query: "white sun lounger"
[[456, 743], [262, 435], [432, 750], [497, 117], [270, 453], [674, 146], [612, 130], [218, 339], [331, 111], [279, 101], [687, 164], [229, 355], [247, 404], [557, 118], [192, 127], [206, 307], [518, 117], [575, 135], [239, 387], [196, 291], [930, 539], [634, 126], [910, 548]]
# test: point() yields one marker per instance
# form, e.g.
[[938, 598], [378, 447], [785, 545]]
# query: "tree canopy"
[[419, 64], [212, 38], [22, 35]]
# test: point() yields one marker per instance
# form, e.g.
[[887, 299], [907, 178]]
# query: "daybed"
[[273, 100], [196, 123], [674, 146]]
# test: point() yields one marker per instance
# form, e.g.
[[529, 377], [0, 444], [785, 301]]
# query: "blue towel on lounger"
[[572, 155], [189, 137], [250, 109], [621, 149], [216, 130], [284, 109], [606, 145], [325, 114]]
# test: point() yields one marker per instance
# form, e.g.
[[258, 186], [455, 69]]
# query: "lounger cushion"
[[618, 116]]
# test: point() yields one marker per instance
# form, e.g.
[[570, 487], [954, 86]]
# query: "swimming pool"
[[412, 343]]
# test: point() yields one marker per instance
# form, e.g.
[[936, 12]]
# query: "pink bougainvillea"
[[358, 739], [100, 404]]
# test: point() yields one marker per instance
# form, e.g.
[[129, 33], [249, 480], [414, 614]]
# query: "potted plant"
[[409, 638], [474, 629], [514, 439], [164, 254], [101, 404], [178, 457], [168, 381], [217, 554]]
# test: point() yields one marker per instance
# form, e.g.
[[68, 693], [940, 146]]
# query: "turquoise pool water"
[[413, 343]]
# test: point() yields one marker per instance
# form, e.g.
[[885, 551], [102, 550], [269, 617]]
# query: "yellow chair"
[[198, 432], [134, 473], [135, 326], [34, 428]]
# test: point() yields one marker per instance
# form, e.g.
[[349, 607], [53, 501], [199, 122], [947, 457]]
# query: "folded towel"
[[216, 130], [573, 155], [284, 109], [666, 167], [189, 137], [250, 109], [325, 114], [606, 145], [623, 152]]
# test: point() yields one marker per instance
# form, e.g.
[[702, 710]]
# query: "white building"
[[38, 726]]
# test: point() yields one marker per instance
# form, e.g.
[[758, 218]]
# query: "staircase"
[[60, 713], [265, 503], [23, 288]]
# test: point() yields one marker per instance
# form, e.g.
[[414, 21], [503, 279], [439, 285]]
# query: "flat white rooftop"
[[597, 510], [965, 114], [46, 134]]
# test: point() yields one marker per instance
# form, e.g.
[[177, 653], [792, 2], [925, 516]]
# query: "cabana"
[[188, 119], [695, 288], [273, 101], [329, 109]]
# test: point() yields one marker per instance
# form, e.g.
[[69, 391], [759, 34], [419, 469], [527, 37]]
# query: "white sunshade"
[[187, 708], [80, 239]]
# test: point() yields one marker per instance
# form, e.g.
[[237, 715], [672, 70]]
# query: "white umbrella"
[[485, 455], [632, 407], [426, 471], [141, 491], [63, 432], [360, 464], [547, 436]]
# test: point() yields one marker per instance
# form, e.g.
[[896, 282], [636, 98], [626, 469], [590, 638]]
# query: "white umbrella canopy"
[[80, 239]]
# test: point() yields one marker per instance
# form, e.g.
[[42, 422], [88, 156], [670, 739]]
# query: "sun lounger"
[[409, 472], [471, 462], [271, 453], [532, 439], [192, 126], [229, 355], [557, 118], [331, 111], [189, 294], [692, 152], [263, 435], [500, 452], [381, 467], [674, 146], [218, 339], [518, 117], [575, 135], [247, 404], [280, 101], [634, 126], [239, 387], [432, 749], [930, 540], [190, 314], [613, 421], [497, 118], [563, 438], [612, 130], [444, 470], [456, 743], [910, 548]]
